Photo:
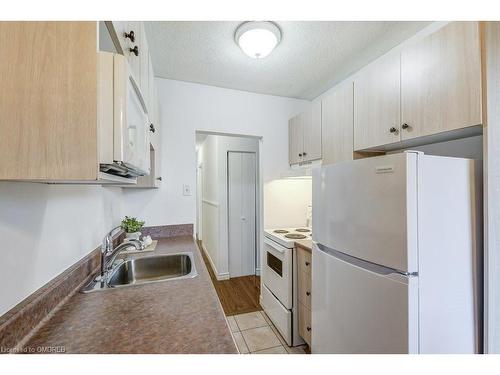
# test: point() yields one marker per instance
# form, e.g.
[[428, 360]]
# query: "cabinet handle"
[[134, 50], [300, 155], [393, 130], [307, 264], [130, 35], [308, 329], [151, 128], [405, 126], [158, 178], [304, 153], [308, 294]]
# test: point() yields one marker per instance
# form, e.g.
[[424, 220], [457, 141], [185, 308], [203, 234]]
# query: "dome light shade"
[[257, 39]]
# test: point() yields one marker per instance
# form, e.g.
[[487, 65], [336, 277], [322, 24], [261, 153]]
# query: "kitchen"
[[373, 187]]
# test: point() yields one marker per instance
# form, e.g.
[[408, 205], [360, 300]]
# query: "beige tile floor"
[[254, 333]]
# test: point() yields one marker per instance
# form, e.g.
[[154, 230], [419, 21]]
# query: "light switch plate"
[[186, 189]]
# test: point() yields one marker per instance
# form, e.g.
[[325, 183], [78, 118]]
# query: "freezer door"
[[368, 209], [356, 310]]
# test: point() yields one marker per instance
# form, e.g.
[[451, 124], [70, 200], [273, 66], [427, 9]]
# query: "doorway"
[[229, 216]]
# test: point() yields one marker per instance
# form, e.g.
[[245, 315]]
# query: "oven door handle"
[[281, 251], [278, 248]]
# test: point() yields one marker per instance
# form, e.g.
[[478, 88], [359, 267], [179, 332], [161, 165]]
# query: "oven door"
[[278, 271]]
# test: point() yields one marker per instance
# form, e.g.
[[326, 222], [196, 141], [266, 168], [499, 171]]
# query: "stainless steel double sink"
[[145, 270]]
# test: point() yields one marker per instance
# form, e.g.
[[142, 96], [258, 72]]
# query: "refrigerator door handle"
[[369, 266]]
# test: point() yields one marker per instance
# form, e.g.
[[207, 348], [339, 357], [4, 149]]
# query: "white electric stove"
[[287, 236], [279, 297]]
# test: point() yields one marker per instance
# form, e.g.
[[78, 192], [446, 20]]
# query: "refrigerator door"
[[361, 308], [367, 208]]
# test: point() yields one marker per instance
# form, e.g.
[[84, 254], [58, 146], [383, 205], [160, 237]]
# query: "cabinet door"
[[157, 146], [441, 81], [152, 103], [48, 106], [337, 125], [121, 28], [144, 66], [305, 323], [311, 129], [377, 104], [295, 140], [133, 60]]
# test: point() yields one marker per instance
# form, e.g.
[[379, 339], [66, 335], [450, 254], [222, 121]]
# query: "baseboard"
[[223, 276], [218, 276]]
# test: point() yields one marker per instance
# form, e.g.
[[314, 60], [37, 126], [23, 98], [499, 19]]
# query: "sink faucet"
[[109, 254]]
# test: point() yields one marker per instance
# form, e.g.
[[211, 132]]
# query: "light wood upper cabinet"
[[441, 81], [295, 140], [58, 118], [48, 105], [432, 86], [337, 125], [311, 127], [304, 131], [377, 104]]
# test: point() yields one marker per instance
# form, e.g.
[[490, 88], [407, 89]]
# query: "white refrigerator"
[[394, 256]]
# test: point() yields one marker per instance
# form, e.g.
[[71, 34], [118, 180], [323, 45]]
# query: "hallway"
[[237, 295]]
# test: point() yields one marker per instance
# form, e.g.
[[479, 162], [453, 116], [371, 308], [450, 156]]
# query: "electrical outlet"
[[186, 189]]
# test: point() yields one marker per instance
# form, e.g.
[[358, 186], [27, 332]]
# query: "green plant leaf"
[[131, 224]]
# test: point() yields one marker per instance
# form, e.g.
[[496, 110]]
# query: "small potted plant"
[[132, 226]]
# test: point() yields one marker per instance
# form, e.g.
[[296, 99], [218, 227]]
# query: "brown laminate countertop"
[[178, 316], [305, 244]]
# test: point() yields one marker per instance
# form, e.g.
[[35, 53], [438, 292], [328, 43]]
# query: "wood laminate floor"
[[237, 295]]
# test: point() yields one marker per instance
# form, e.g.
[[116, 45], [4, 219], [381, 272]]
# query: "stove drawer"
[[279, 315]]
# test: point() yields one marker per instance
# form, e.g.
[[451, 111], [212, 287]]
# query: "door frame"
[[256, 257], [259, 201], [199, 201]]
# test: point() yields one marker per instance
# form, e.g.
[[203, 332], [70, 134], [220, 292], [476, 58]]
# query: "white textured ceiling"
[[311, 58]]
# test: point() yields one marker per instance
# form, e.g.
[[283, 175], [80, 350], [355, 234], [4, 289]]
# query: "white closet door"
[[241, 195]]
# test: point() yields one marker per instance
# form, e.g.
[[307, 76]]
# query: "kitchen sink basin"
[[152, 269], [146, 270]]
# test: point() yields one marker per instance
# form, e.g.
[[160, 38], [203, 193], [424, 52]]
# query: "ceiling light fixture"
[[257, 38]]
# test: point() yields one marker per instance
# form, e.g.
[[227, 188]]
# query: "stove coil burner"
[[304, 230], [281, 231], [295, 236]]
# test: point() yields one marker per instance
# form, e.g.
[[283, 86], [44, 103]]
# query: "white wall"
[[47, 228], [282, 211], [187, 107]]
